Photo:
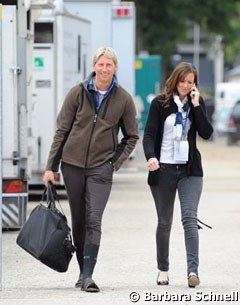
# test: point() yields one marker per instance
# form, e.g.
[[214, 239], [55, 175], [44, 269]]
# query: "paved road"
[[126, 260]]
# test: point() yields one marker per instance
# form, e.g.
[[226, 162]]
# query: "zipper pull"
[[95, 118]]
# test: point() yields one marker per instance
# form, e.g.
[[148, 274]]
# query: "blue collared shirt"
[[98, 97]]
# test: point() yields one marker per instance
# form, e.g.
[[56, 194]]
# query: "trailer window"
[[43, 32]]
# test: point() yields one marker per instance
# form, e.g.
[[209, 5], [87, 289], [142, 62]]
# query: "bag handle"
[[51, 195], [54, 196], [47, 195], [53, 191]]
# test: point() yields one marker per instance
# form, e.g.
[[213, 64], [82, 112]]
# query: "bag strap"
[[48, 196], [53, 196], [53, 191]]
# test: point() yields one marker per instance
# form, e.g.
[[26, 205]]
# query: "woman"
[[174, 162]]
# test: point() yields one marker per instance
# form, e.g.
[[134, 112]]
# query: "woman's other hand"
[[153, 164]]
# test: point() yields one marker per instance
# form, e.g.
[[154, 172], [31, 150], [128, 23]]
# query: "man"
[[86, 143]]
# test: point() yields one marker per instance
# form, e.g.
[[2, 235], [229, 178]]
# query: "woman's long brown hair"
[[178, 74]]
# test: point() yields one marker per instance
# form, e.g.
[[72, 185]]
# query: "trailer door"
[[44, 110], [10, 113], [14, 122]]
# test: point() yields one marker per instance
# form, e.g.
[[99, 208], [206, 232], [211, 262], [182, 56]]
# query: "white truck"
[[123, 41], [16, 45], [227, 94], [99, 12], [61, 60], [14, 131]]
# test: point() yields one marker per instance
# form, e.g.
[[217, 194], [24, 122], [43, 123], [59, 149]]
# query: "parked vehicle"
[[123, 34], [220, 121], [15, 153], [233, 131], [226, 96]]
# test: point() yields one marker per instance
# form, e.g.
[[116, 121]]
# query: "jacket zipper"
[[90, 138], [94, 124]]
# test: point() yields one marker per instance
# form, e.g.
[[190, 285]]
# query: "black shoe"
[[163, 282], [89, 285], [79, 281], [193, 280]]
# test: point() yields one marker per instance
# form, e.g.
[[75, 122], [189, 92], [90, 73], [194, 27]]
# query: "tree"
[[161, 24], [232, 42], [158, 27]]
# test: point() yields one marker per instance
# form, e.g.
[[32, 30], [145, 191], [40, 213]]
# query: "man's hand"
[[48, 176]]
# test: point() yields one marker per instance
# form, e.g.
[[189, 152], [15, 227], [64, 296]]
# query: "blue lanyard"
[[184, 121]]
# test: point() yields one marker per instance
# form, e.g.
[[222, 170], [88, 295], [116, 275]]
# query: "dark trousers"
[[173, 178], [88, 192]]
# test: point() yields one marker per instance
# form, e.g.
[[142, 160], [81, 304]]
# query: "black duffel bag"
[[46, 234]]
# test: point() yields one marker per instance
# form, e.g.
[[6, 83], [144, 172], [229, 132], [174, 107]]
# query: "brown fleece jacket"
[[86, 137]]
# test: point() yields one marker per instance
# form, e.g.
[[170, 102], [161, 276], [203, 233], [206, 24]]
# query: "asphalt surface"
[[126, 265]]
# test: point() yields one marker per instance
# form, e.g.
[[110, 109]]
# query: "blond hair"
[[107, 52]]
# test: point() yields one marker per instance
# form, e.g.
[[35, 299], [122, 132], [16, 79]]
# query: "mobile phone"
[[192, 92]]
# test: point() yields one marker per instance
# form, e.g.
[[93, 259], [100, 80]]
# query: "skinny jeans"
[[173, 178], [88, 191]]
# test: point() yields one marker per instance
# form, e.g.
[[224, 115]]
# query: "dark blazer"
[[153, 134]]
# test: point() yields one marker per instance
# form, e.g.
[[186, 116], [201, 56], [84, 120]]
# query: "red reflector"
[[120, 12], [13, 186]]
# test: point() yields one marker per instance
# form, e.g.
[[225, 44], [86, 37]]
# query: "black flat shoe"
[[193, 280], [79, 281], [163, 282], [88, 285]]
